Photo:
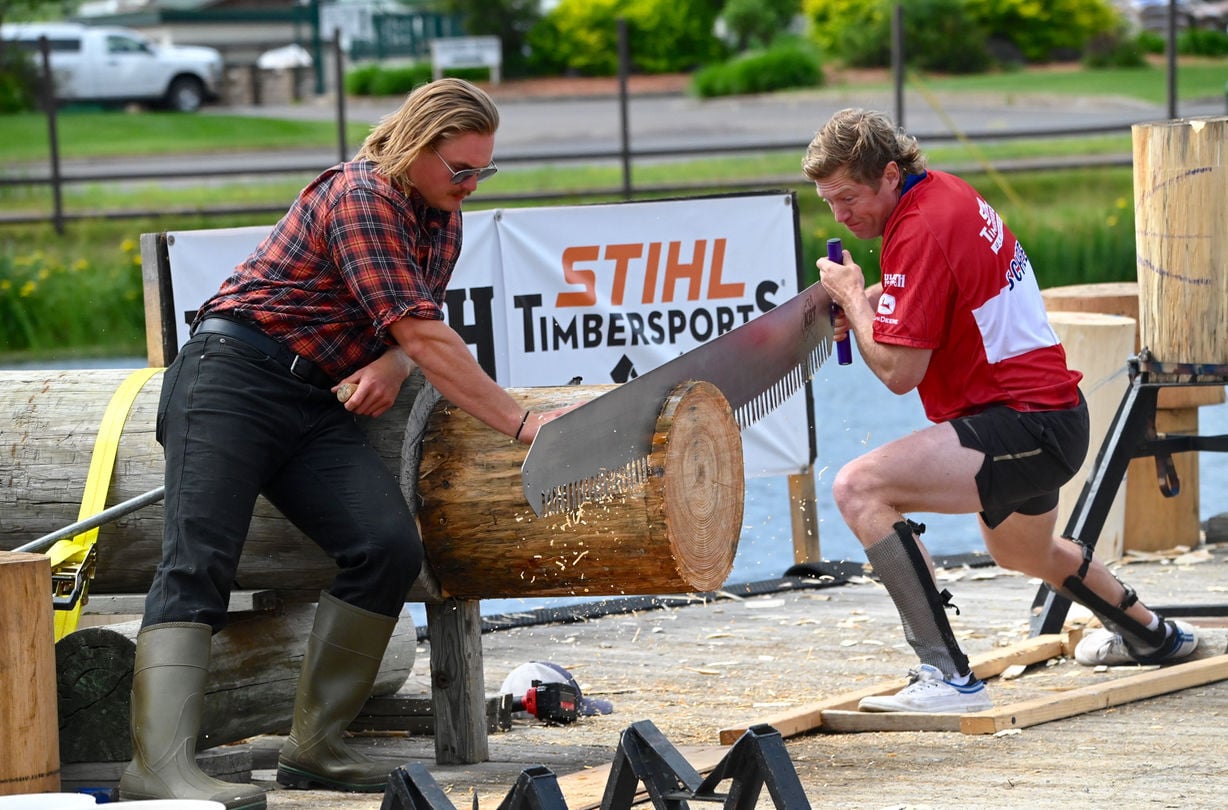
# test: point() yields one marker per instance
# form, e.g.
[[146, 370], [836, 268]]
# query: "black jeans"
[[234, 424]]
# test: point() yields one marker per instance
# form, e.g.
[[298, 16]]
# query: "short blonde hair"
[[431, 113], [864, 141]]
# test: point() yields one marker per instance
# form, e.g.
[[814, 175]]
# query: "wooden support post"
[[28, 730], [458, 683], [804, 507]]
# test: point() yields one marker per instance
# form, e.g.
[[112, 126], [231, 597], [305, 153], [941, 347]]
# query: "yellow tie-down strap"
[[72, 559]]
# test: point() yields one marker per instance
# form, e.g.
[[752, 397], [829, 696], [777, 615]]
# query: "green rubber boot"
[[342, 659], [168, 696]]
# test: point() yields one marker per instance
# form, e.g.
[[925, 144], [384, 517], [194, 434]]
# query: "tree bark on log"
[[253, 674], [1181, 231], [45, 448], [675, 532]]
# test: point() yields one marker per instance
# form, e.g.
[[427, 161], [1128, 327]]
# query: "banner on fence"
[[602, 293]]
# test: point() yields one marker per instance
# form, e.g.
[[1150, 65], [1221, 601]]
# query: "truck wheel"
[[186, 94]]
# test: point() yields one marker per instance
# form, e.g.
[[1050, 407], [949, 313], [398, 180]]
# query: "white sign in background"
[[601, 292]]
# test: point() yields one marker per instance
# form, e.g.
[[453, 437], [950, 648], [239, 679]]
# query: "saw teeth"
[[567, 499]]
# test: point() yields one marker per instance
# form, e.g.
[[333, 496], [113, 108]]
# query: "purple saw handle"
[[844, 349]]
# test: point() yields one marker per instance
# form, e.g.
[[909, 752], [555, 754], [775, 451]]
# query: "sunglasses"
[[461, 175]]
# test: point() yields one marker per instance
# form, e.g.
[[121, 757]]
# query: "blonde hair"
[[431, 113], [864, 141]]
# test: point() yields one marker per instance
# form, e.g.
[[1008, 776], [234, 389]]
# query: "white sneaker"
[[930, 692], [1106, 648]]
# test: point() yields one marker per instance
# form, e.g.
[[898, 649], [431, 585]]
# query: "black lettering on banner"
[[478, 329]]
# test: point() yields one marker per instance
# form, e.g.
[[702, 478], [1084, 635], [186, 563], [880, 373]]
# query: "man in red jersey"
[[958, 315], [348, 288]]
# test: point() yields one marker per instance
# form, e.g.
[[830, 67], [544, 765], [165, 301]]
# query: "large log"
[[48, 421], [1181, 235], [676, 531], [31, 759], [250, 690]]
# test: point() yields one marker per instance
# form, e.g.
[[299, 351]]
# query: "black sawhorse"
[[1133, 435]]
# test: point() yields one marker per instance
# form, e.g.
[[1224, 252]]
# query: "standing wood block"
[[1181, 232], [1096, 345], [1167, 522], [1121, 298], [1152, 521], [675, 532], [29, 735]]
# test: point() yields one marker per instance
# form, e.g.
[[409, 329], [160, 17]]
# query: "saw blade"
[[602, 447]]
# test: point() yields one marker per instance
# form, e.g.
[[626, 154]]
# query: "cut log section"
[[676, 531], [1180, 173]]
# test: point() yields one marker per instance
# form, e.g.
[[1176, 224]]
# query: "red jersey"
[[956, 281]]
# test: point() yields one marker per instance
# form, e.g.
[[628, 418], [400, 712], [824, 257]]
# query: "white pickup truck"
[[109, 64]]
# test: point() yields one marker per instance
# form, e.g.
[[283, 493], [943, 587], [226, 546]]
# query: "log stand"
[[1132, 434]]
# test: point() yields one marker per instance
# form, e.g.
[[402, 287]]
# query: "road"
[[537, 128]]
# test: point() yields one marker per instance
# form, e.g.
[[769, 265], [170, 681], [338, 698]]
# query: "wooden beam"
[[1100, 696], [986, 665]]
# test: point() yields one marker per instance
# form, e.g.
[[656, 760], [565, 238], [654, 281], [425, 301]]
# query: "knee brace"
[[1113, 617], [901, 567]]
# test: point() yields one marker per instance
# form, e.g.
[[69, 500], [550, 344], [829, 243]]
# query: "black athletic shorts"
[[1028, 456]]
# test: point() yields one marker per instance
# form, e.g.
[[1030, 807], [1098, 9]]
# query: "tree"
[[509, 20]]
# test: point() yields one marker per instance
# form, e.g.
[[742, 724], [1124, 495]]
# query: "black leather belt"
[[296, 364]]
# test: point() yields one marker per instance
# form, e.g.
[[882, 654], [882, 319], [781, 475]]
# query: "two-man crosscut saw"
[[603, 446]]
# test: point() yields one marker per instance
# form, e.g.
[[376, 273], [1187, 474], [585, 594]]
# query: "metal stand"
[[644, 756], [757, 758], [1131, 435]]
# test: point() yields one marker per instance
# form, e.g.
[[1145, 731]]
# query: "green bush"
[[939, 35], [953, 35], [358, 81], [399, 80], [48, 301], [665, 36], [756, 23], [1202, 42], [1056, 29], [19, 82], [1118, 50], [789, 63], [1151, 42], [858, 32]]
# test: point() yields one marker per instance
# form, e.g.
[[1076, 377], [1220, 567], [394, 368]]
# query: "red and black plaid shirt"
[[352, 256]]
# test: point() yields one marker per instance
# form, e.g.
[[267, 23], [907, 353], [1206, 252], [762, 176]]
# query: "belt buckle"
[[294, 368]]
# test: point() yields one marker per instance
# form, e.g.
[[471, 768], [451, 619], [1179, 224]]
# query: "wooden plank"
[[1100, 696], [986, 665], [843, 721]]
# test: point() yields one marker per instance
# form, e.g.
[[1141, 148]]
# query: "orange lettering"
[[716, 288], [676, 270], [573, 275], [621, 254]]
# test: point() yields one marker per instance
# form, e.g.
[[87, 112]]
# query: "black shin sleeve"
[[1113, 617]]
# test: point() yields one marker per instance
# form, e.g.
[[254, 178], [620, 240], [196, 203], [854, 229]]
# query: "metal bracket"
[[70, 582], [1131, 435]]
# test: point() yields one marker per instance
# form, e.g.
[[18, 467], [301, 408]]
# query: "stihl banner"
[[596, 294]]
